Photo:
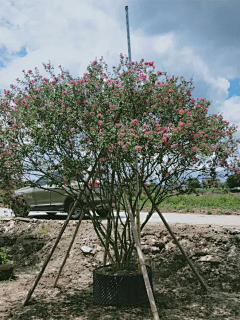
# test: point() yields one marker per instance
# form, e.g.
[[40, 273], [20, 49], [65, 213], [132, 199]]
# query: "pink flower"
[[159, 73], [195, 148], [170, 90], [137, 147], [72, 130], [100, 122], [118, 124], [99, 115], [101, 159], [29, 71], [134, 121], [125, 146], [65, 182]]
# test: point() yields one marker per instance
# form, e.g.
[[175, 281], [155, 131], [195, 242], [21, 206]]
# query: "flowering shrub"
[[132, 121]]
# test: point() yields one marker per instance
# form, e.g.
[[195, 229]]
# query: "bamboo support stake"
[[107, 241], [30, 292], [176, 241], [70, 246], [137, 201], [109, 224], [142, 263]]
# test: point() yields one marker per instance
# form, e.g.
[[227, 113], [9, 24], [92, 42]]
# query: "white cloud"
[[163, 43], [70, 33], [230, 110]]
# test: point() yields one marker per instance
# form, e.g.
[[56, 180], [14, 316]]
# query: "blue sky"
[[6, 58], [198, 39], [234, 89]]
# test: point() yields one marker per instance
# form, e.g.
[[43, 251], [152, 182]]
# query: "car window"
[[43, 181], [75, 178], [56, 176]]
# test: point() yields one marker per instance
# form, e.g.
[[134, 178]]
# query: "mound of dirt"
[[214, 251]]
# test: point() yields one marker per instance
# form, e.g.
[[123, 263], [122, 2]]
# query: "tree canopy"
[[131, 121]]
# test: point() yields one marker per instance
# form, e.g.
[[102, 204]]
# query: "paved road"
[[186, 218]]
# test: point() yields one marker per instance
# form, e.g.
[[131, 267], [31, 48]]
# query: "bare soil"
[[214, 250]]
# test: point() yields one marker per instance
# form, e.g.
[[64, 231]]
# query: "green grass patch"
[[215, 201]]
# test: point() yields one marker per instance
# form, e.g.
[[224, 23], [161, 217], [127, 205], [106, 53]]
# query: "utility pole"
[[136, 160], [128, 35]]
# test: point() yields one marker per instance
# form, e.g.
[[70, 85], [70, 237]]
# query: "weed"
[[3, 256], [43, 230]]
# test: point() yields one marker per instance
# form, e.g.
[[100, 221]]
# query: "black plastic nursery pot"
[[6, 271], [113, 289]]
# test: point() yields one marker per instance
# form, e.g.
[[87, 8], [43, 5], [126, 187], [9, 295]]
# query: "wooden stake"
[[30, 292], [108, 233], [70, 246], [142, 262], [176, 241], [109, 224]]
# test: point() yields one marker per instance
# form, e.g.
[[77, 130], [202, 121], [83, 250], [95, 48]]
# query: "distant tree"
[[192, 184], [233, 181]]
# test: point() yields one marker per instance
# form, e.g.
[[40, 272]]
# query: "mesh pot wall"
[[119, 290]]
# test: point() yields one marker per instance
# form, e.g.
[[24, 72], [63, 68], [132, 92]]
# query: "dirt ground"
[[214, 250]]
